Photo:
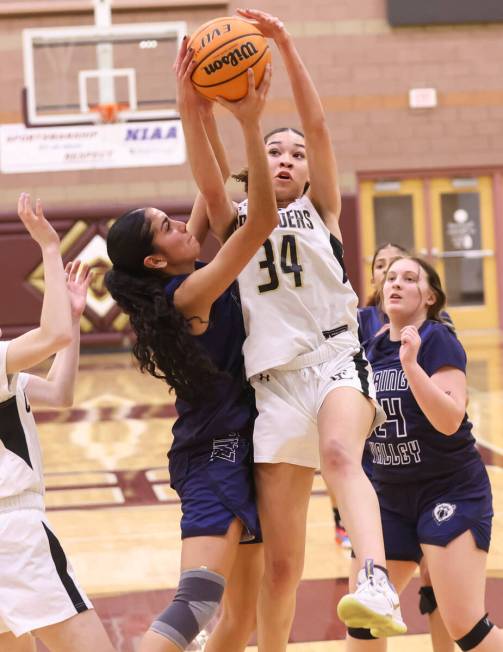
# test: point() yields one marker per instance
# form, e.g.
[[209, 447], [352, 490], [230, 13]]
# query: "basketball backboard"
[[72, 73]]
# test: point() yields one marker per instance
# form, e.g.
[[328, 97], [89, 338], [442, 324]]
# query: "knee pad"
[[196, 601], [361, 633], [476, 635], [427, 600]]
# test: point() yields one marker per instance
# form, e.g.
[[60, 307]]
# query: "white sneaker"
[[374, 605]]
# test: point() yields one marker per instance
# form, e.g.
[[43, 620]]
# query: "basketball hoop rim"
[[109, 112]]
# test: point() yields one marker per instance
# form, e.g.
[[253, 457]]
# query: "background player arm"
[[323, 178], [57, 389], [203, 158], [441, 396], [197, 293], [54, 332]]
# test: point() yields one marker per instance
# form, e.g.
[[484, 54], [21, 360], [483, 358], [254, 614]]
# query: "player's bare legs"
[[400, 573], [458, 574], [9, 643], [213, 553], [81, 633], [341, 536], [283, 492], [344, 422], [440, 637], [238, 618]]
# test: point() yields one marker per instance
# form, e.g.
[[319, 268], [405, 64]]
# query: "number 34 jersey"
[[294, 292]]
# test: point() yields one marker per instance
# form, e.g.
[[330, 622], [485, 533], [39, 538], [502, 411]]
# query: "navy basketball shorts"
[[215, 485], [435, 512]]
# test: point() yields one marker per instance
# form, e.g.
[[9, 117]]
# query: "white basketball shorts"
[[289, 398], [37, 584]]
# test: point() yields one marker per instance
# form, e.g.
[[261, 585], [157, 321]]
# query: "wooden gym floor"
[[110, 503]]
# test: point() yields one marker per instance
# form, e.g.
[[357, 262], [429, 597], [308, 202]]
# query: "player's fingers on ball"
[[190, 69], [246, 18], [182, 55], [223, 102], [251, 81], [265, 84], [185, 63]]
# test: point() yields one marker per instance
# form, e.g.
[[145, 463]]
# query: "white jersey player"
[[39, 594], [313, 386], [291, 285]]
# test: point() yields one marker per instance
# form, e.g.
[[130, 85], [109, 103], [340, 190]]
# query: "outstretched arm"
[[203, 160], [324, 184], [54, 332], [198, 224], [198, 292], [57, 389]]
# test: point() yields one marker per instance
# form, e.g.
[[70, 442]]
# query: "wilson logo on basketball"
[[235, 57]]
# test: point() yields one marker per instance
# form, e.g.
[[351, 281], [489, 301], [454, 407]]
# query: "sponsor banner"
[[90, 147]]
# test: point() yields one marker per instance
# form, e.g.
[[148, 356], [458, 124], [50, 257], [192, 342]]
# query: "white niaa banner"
[[90, 147]]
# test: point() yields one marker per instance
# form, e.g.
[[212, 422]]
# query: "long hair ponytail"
[[436, 311], [164, 346], [374, 299]]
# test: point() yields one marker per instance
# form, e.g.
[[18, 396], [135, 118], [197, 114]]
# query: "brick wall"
[[363, 69]]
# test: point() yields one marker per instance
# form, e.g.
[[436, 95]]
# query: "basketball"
[[224, 49]]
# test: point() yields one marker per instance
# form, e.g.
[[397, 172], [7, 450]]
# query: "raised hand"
[[186, 94], [250, 108], [410, 343], [78, 280], [36, 224], [269, 25]]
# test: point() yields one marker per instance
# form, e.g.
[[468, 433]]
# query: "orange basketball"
[[224, 49]]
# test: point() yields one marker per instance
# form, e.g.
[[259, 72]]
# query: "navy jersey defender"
[[407, 447], [433, 489], [371, 321], [213, 437], [189, 330]]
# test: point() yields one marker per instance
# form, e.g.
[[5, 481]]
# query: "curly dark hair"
[[164, 346]]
